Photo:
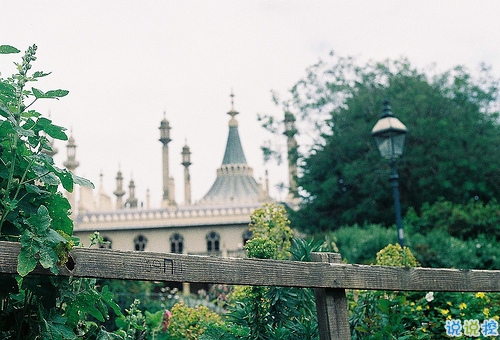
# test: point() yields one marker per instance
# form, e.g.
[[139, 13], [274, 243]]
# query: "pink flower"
[[166, 318]]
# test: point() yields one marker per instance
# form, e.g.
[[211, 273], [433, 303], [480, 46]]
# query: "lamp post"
[[291, 145], [389, 134]]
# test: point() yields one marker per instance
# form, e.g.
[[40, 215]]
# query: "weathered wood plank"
[[114, 264], [331, 305]]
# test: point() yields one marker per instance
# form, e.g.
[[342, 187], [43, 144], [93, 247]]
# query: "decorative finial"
[[232, 99], [233, 112], [387, 108]]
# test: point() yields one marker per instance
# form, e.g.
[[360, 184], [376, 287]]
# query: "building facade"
[[218, 224]]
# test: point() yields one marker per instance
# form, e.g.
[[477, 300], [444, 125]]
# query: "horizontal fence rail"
[[147, 266]]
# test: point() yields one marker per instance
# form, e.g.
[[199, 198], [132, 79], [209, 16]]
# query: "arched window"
[[140, 243], [213, 242], [247, 236], [176, 243], [106, 243]]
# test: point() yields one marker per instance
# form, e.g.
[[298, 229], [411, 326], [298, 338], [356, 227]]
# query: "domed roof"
[[235, 183]]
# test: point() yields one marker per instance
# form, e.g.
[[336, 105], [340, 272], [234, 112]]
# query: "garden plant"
[[36, 214]]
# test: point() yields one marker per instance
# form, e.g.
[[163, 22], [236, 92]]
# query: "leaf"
[[52, 94], [83, 181], [26, 262], [39, 74], [46, 175], [107, 296], [92, 310], [56, 93], [48, 257], [66, 178], [53, 131], [37, 93], [7, 49], [53, 238], [24, 132], [59, 207], [7, 90], [33, 189], [41, 220], [58, 329]]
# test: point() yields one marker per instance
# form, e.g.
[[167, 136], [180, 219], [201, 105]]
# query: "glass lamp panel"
[[390, 145], [384, 146], [398, 142]]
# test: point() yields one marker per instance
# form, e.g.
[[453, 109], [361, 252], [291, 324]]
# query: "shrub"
[[360, 244], [190, 323], [415, 315]]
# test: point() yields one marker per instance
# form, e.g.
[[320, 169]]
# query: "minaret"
[[186, 161], [71, 164], [167, 199], [292, 154], [131, 200], [119, 192]]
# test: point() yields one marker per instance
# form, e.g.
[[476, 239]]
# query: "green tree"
[[451, 150]]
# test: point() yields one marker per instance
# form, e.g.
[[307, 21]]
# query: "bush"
[[463, 221], [188, 323], [359, 244], [416, 315], [439, 249]]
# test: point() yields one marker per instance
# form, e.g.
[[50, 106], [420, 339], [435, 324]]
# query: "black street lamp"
[[389, 134]]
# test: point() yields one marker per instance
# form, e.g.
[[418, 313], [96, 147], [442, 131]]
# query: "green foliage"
[[189, 323], [447, 234], [380, 314], [255, 313], [271, 233], [451, 148], [414, 315], [464, 221], [395, 256], [440, 250], [32, 210], [34, 213], [360, 244]]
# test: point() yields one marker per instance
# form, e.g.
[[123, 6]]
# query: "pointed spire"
[[234, 151], [235, 183]]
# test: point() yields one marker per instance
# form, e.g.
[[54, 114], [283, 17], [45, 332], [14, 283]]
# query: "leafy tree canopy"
[[451, 151]]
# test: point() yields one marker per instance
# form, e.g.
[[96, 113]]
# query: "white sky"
[[127, 62]]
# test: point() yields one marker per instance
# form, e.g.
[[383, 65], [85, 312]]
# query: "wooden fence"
[[326, 274]]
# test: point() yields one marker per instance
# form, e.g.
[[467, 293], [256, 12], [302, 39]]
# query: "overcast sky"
[[127, 62]]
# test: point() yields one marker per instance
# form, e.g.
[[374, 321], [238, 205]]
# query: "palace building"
[[217, 224]]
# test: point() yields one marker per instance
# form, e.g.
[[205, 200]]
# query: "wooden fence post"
[[331, 305]]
